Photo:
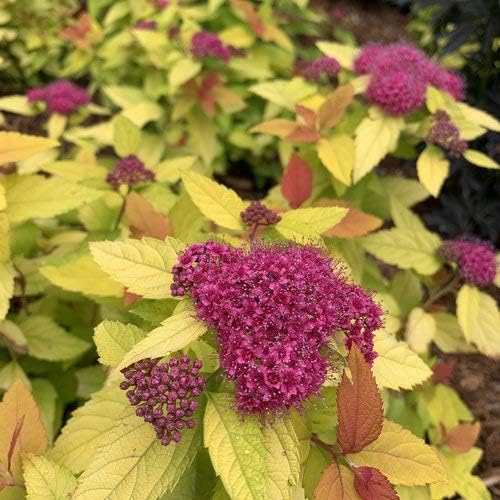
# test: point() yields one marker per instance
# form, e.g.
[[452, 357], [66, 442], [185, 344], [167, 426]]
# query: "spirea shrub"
[[61, 96]]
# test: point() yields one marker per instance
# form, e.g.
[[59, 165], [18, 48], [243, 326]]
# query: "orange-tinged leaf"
[[308, 115], [371, 484], [303, 134], [333, 109], [228, 100], [296, 184], [336, 483], [278, 126], [17, 147], [462, 437], [21, 430], [130, 298], [360, 411], [144, 219], [250, 14], [80, 33], [355, 223]]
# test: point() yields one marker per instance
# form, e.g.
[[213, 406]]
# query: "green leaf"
[[10, 373], [432, 169], [6, 287], [82, 275], [404, 218], [480, 159], [202, 136], [13, 337], [345, 54], [46, 479], [407, 289], [337, 155], [48, 341], [143, 266], [126, 136], [405, 248], [284, 93], [252, 462], [303, 224], [183, 70], [216, 202], [175, 333], [114, 339], [376, 136], [46, 398], [478, 316], [407, 191], [34, 196]]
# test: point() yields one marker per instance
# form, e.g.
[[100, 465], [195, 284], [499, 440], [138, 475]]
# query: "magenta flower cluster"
[[275, 309], [258, 214], [445, 133], [322, 67], [145, 24], [61, 96], [475, 259], [130, 171], [165, 394], [206, 44], [400, 75]]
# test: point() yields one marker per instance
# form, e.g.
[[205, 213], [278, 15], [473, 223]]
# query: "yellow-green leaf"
[[6, 287], [405, 248], [432, 169], [397, 366], [445, 407], [478, 117], [345, 54], [34, 196], [303, 224], [114, 339], [126, 136], [74, 171], [174, 333], [337, 155], [407, 191], [285, 93], [16, 147], [376, 136], [480, 159], [420, 330], [449, 336], [434, 99], [17, 104], [215, 201], [46, 479], [479, 318], [402, 457], [182, 71], [170, 170], [143, 266]]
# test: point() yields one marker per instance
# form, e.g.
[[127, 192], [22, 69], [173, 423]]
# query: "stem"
[[22, 283], [442, 291], [328, 447], [122, 209], [254, 231]]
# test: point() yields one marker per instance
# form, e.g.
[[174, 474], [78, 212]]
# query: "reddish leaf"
[[206, 92], [333, 109], [308, 115], [303, 134], [251, 16], [130, 298], [462, 437], [144, 219], [442, 372], [371, 484], [296, 184], [80, 33], [336, 483], [360, 412]]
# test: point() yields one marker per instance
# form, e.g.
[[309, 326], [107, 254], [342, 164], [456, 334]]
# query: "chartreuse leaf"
[[432, 169], [285, 93], [16, 147], [11, 373], [17, 104], [406, 248], [82, 275], [126, 136], [413, 492], [480, 159], [216, 202], [46, 398], [345, 54], [74, 171], [478, 117], [34, 196], [402, 457], [397, 366], [304, 224], [420, 330], [183, 70], [22, 429], [6, 287], [445, 407], [407, 191], [376, 136], [175, 333], [48, 341], [46, 479], [252, 462], [478, 316], [337, 155], [114, 339], [4, 238], [449, 336], [143, 266]]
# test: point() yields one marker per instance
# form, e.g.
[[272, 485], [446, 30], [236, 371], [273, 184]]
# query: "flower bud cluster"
[[61, 96], [165, 394], [475, 259], [206, 44], [322, 67], [275, 310], [400, 75], [144, 24], [445, 133], [130, 171], [258, 214]]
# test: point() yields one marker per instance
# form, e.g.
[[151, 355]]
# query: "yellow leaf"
[[215, 201], [345, 54], [16, 147], [479, 318], [420, 330], [397, 366], [182, 71], [479, 117], [480, 159], [432, 169], [337, 155], [22, 430], [445, 407], [278, 126], [334, 108], [376, 136], [4, 238], [284, 93], [434, 99], [402, 457], [6, 287], [170, 170], [449, 336]]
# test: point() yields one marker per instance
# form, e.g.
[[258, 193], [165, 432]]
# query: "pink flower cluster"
[[475, 259], [446, 134], [131, 171], [323, 67], [145, 24], [275, 309], [206, 44], [400, 75], [165, 394], [61, 96]]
